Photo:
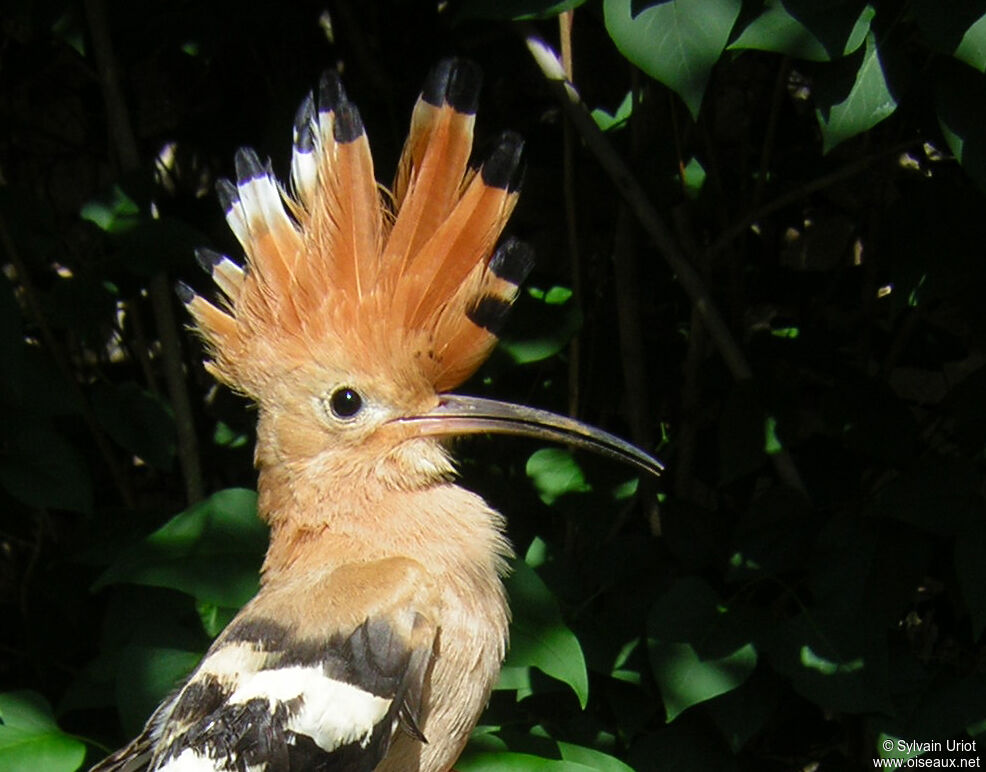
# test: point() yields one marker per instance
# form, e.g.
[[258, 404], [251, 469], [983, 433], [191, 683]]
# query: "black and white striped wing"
[[268, 698], [265, 700]]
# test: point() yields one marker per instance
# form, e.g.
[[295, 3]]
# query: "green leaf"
[[515, 679], [742, 713], [483, 739], [487, 761], [959, 31], [214, 618], [685, 679], [551, 319], [676, 42], [960, 95], [211, 551], [138, 620], [808, 29], [514, 9], [537, 553], [145, 676], [225, 436], [591, 758], [625, 490], [694, 653], [862, 578], [829, 659], [972, 48], [42, 469], [607, 122], [114, 211], [70, 29], [555, 472], [538, 635], [557, 296], [842, 115], [137, 421], [693, 178], [31, 740]]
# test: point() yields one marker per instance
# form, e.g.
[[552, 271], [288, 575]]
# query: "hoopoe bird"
[[381, 621]]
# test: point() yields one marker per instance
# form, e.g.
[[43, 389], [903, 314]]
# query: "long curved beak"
[[457, 414]]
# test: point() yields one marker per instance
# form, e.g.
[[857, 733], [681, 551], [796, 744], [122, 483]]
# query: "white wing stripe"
[[190, 761], [332, 713]]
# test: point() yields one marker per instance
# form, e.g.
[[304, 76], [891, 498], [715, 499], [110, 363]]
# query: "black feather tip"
[[208, 259], [185, 293], [348, 125], [227, 193], [512, 261], [502, 168], [433, 91], [455, 82], [304, 125], [489, 312], [462, 92], [248, 166]]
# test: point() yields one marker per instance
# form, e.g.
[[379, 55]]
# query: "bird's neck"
[[327, 521]]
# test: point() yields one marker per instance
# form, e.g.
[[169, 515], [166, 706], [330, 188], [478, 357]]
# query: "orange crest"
[[340, 271]]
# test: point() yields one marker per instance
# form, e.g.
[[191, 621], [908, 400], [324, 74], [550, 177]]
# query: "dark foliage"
[[805, 587]]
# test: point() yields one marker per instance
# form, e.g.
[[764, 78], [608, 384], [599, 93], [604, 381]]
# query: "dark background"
[[804, 582]]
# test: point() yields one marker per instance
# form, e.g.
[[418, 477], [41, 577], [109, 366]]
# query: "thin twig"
[[174, 374], [629, 312], [571, 222], [654, 225], [125, 144], [633, 361], [637, 198], [630, 324], [575, 261]]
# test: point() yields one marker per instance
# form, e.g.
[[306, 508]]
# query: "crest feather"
[[336, 272]]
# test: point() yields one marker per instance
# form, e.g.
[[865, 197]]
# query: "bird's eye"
[[345, 402]]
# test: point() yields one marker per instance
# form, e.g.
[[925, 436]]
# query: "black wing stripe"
[[262, 695], [373, 657], [284, 734]]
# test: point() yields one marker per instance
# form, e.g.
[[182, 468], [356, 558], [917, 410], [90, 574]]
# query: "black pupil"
[[346, 402]]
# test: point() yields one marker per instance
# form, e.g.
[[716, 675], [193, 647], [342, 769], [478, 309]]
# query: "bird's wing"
[[136, 755], [130, 758], [287, 691]]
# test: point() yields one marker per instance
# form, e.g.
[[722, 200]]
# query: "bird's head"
[[360, 308]]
